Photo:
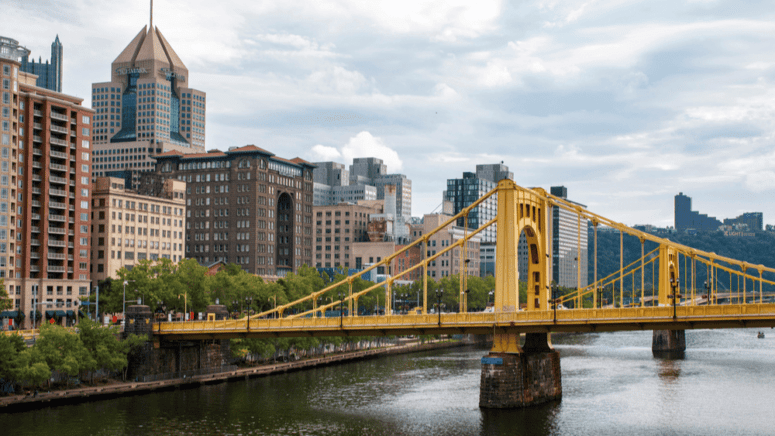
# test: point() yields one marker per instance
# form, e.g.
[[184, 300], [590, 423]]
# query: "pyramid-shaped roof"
[[151, 50], [150, 45], [174, 60], [131, 50]]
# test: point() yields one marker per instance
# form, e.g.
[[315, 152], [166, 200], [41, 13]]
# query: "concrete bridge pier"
[[668, 343], [158, 357], [514, 376]]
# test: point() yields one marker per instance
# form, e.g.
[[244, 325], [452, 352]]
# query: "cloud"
[[324, 153], [365, 145], [337, 79]]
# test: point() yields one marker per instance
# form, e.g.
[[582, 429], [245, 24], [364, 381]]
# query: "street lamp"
[[674, 285], [439, 294], [707, 291], [341, 313], [185, 305]]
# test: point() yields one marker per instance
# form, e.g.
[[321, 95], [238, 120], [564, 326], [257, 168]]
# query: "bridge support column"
[[669, 343], [524, 378]]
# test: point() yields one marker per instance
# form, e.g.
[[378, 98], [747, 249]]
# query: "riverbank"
[[16, 403]]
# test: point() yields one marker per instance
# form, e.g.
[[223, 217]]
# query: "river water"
[[725, 385]]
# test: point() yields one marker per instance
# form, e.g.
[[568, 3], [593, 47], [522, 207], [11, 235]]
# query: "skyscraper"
[[686, 218], [461, 193], [44, 191], [147, 108], [49, 73], [569, 244], [367, 180]]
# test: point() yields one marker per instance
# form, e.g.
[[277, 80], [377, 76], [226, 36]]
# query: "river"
[[725, 385]]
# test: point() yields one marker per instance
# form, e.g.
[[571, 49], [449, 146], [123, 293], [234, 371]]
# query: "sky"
[[626, 103]]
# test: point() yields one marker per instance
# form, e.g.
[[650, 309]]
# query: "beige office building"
[[337, 228], [454, 261], [128, 227], [147, 108]]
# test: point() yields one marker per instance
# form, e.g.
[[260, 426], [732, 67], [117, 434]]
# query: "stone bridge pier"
[[172, 359], [514, 376], [668, 343]]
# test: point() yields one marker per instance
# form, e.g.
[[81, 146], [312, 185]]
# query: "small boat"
[[760, 335]]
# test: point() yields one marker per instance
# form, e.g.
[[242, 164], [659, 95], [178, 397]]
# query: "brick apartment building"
[[45, 172], [245, 206]]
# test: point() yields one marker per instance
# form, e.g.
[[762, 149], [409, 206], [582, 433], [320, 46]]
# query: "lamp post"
[[439, 294], [185, 304], [341, 313], [674, 285], [707, 291]]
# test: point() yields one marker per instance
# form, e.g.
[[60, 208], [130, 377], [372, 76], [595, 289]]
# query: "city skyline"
[[625, 104]]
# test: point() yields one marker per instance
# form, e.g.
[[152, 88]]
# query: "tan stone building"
[[337, 229], [453, 261], [128, 227]]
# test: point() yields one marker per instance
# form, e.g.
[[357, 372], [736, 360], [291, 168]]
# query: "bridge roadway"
[[580, 320]]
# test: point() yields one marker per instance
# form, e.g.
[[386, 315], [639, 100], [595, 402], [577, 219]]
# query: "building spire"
[[151, 14]]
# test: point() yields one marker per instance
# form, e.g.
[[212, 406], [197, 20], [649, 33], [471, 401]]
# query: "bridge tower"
[[671, 343], [513, 375]]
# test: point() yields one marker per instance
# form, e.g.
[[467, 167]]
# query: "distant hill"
[[755, 250]]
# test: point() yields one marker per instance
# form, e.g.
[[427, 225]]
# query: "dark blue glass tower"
[[49, 73]]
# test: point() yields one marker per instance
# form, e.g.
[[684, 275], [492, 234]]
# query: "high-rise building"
[[463, 192], [49, 73], [244, 206], [367, 175], [686, 218], [147, 108], [44, 190], [128, 227], [569, 244]]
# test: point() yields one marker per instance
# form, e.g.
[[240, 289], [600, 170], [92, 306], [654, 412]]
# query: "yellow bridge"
[[677, 301]]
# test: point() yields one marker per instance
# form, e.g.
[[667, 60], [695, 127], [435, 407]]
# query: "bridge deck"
[[582, 320]]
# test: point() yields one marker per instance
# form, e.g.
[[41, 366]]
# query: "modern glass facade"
[[49, 73], [463, 192]]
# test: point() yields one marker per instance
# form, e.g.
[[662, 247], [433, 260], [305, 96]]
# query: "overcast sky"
[[626, 103]]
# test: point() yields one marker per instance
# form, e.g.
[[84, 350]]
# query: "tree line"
[[74, 355]]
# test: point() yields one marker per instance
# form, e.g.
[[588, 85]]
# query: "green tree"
[[5, 302], [10, 349], [104, 346], [62, 350]]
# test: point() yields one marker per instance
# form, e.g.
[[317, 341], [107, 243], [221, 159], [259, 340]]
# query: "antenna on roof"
[[151, 14]]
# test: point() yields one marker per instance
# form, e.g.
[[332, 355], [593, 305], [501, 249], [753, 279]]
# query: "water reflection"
[[612, 384], [669, 370]]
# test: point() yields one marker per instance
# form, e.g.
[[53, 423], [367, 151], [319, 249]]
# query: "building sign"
[[171, 74], [125, 71]]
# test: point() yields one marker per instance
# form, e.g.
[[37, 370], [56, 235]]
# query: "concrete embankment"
[[71, 396]]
